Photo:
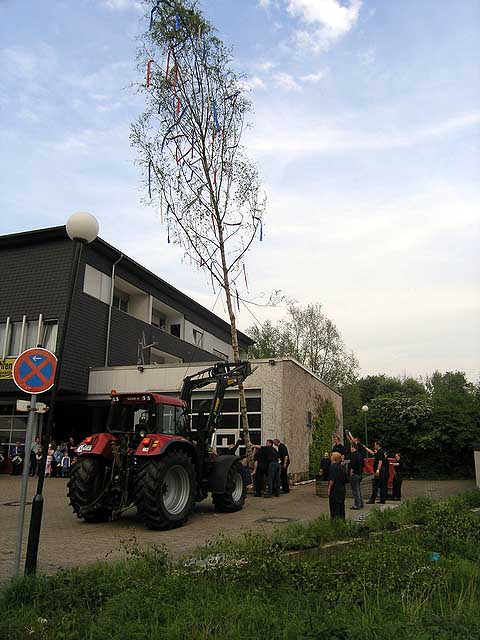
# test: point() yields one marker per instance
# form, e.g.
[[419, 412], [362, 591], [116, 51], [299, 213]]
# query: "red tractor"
[[151, 457]]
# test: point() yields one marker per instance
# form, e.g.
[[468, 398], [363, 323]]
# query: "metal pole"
[[366, 430], [32, 419], [37, 505]]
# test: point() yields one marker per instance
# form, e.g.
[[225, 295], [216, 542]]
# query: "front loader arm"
[[223, 375]]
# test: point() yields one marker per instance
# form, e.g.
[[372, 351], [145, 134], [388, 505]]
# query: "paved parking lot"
[[67, 541]]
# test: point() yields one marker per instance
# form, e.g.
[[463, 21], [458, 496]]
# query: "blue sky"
[[366, 132]]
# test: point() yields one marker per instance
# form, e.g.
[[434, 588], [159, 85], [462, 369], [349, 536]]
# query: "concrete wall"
[[303, 392]]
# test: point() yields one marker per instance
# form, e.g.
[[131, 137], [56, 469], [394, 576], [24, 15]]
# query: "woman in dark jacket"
[[325, 466], [397, 478]]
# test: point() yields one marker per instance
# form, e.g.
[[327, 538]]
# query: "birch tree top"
[[189, 138]]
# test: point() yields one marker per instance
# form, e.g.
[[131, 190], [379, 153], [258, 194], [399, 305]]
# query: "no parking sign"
[[34, 370]]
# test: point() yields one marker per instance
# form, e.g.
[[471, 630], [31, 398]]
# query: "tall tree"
[[189, 140], [310, 337]]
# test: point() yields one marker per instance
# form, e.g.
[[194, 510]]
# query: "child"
[[65, 464], [48, 467], [38, 458]]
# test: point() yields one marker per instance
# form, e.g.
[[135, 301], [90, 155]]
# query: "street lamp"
[[82, 228], [365, 411]]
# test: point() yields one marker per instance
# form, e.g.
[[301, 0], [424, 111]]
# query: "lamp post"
[[365, 411], [82, 228]]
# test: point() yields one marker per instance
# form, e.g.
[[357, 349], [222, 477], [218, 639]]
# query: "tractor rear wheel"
[[164, 490], [87, 481], [235, 490]]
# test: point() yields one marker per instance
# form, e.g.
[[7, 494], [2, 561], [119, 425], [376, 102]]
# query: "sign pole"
[[31, 423], [37, 505], [34, 372]]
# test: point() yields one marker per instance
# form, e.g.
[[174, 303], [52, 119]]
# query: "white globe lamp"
[[82, 227]]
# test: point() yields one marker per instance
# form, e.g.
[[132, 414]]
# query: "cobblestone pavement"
[[66, 541]]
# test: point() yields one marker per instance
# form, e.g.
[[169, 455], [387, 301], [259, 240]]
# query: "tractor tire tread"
[[81, 487], [224, 502], [146, 487]]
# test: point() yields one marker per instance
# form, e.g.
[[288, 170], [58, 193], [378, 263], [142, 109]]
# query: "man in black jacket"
[[337, 479], [273, 481], [356, 471], [284, 464], [338, 447], [380, 474], [260, 470]]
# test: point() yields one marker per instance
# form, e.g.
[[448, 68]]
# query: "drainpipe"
[[112, 286]]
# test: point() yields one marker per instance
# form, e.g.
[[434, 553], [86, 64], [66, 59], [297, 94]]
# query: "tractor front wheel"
[[235, 490], [87, 481], [164, 490]]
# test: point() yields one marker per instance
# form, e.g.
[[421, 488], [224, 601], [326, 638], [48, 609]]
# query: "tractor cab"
[[143, 413]]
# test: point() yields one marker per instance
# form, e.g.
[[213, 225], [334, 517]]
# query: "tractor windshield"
[[145, 417]]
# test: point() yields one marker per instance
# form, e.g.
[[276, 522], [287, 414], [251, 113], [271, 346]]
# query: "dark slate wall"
[[34, 280]]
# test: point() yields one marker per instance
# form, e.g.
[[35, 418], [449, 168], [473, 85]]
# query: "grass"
[[379, 588]]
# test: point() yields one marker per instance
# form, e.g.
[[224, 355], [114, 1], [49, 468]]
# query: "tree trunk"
[[236, 349]]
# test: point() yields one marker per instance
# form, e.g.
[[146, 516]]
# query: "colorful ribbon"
[[215, 116], [150, 165], [149, 65]]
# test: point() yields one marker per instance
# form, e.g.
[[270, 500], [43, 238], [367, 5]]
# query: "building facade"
[[122, 314]]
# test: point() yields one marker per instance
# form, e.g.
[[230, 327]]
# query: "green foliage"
[[382, 587], [434, 425], [324, 425], [311, 338]]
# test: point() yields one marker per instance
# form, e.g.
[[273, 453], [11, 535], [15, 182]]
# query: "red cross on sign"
[[34, 370]]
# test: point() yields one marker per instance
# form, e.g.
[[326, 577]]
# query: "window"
[[167, 419], [97, 284], [175, 330], [3, 332], [120, 301], [49, 337], [198, 338], [158, 320], [31, 336], [18, 340], [14, 343], [230, 424]]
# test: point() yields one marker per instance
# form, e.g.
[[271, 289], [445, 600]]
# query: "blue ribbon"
[[215, 116], [150, 164]]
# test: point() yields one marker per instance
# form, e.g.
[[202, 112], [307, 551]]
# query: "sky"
[[365, 130]]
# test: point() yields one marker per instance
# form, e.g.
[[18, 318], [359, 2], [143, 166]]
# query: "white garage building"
[[282, 399]]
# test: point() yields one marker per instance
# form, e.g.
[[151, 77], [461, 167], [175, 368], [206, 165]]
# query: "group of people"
[[341, 468], [59, 458], [270, 471]]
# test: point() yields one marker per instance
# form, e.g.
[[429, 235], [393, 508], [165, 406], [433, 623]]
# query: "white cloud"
[[122, 5], [252, 83], [105, 108], [286, 82], [313, 77], [266, 66], [326, 20], [328, 13], [302, 135], [264, 4]]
